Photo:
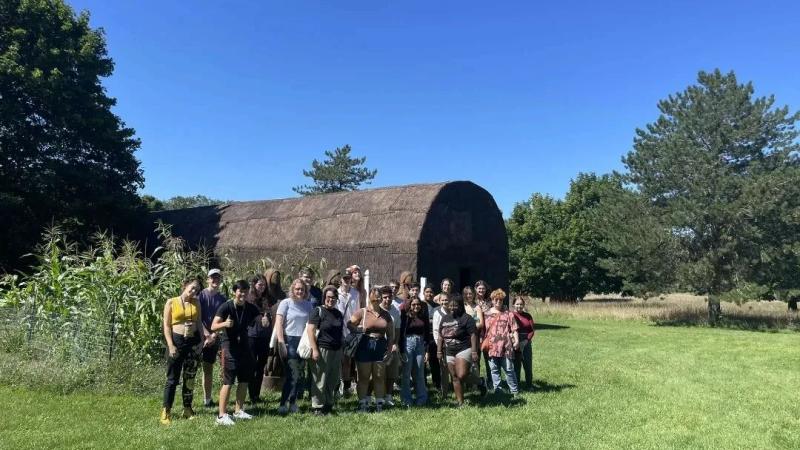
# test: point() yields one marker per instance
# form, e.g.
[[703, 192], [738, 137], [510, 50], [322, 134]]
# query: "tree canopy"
[[339, 172], [554, 248], [64, 155], [719, 168]]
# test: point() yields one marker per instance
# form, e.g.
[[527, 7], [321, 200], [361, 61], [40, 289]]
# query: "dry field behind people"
[[673, 309]]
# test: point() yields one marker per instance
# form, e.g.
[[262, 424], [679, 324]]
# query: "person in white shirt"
[[349, 303]]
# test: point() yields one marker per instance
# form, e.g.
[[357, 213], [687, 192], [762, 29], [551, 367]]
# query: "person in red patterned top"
[[501, 341], [523, 358]]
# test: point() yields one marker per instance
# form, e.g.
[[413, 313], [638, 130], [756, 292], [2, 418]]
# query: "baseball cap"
[[347, 273], [213, 272]]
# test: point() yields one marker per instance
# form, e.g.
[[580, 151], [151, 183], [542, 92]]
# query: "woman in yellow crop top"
[[182, 331]]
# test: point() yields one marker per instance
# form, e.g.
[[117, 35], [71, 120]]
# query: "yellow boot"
[[188, 413], [165, 419]]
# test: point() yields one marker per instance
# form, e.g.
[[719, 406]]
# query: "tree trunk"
[[714, 310]]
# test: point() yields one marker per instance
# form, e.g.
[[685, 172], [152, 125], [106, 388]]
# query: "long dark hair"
[[256, 298]]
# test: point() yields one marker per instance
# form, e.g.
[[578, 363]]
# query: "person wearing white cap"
[[210, 300]]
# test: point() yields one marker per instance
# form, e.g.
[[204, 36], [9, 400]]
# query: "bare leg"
[[224, 391], [208, 373], [457, 388], [241, 393]]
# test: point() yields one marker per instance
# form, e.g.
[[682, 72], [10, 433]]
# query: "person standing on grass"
[[348, 304], [210, 300], [523, 356], [374, 348], [444, 295], [181, 327], [433, 362], [501, 341], [484, 302], [417, 331], [392, 306], [476, 312], [290, 324], [232, 319], [314, 293], [273, 296], [326, 351], [258, 335], [444, 381], [458, 344]]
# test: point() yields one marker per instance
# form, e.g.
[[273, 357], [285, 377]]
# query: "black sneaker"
[[209, 403], [482, 388]]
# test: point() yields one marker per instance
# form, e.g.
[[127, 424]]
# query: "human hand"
[[173, 351], [315, 355], [228, 323], [475, 356], [264, 321]]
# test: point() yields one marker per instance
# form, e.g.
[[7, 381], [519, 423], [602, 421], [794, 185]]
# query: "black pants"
[[259, 351], [185, 360], [433, 362]]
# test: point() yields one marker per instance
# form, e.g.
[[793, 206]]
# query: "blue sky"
[[517, 97]]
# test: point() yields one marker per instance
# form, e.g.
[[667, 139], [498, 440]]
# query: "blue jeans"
[[508, 367], [415, 350], [294, 371]]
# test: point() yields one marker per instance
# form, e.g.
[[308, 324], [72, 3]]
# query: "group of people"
[[324, 339]]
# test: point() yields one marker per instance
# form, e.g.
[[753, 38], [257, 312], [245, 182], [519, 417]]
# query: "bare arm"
[[219, 324], [166, 328], [279, 331]]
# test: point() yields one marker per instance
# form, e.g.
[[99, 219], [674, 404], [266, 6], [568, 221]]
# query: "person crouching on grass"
[[234, 317], [181, 327], [458, 343]]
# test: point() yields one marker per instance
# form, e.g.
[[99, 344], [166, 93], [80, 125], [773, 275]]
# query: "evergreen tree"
[[703, 164], [339, 172]]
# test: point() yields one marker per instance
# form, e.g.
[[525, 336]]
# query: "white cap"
[[213, 272]]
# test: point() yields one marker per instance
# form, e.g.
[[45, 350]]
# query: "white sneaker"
[[241, 415], [388, 401], [283, 410], [293, 408], [225, 420]]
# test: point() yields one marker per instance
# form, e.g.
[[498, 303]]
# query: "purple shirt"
[[209, 304]]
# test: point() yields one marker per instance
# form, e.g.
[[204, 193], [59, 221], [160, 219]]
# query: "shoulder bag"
[[354, 338], [304, 347]]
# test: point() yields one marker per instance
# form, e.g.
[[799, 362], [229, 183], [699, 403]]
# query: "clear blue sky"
[[234, 99]]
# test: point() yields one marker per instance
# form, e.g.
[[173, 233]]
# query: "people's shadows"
[[543, 387], [549, 326]]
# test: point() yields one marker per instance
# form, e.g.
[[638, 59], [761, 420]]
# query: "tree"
[[339, 172], [554, 247], [151, 203], [180, 202], [700, 165], [64, 155]]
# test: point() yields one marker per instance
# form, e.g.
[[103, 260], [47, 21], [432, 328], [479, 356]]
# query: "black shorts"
[[210, 353], [236, 366]]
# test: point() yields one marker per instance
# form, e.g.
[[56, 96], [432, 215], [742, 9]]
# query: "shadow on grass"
[[548, 326], [737, 321]]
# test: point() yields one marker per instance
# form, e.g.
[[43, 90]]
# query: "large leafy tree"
[[555, 248], [711, 166], [339, 172], [63, 153]]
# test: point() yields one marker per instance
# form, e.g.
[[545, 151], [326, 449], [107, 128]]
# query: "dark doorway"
[[464, 278]]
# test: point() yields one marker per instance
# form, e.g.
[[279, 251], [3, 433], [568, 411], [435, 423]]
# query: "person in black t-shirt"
[[459, 342], [326, 350], [234, 317]]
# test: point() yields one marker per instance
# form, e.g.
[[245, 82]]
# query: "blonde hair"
[[301, 283], [498, 293]]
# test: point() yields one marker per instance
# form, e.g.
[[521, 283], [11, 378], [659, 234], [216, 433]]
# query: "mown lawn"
[[602, 384]]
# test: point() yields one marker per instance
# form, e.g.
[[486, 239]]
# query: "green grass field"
[[602, 384]]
